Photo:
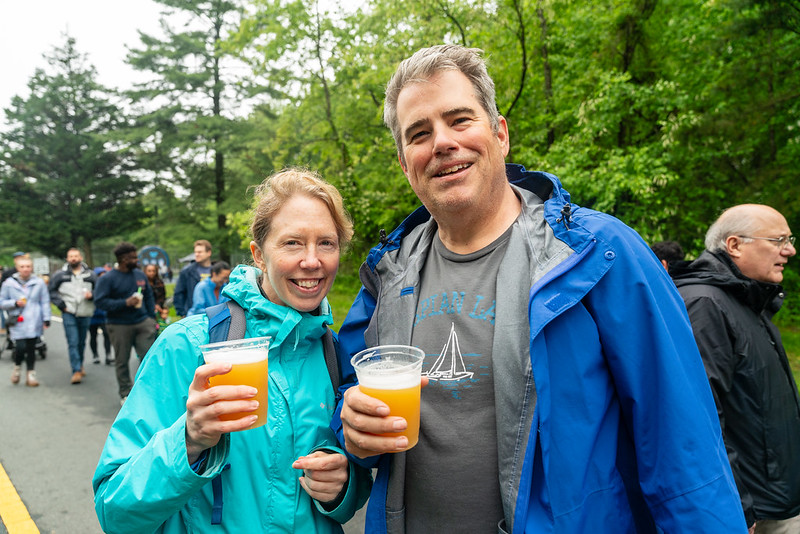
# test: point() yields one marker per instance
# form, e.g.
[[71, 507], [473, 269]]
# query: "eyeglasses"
[[780, 241]]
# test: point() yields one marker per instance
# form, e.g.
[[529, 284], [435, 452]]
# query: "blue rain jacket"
[[26, 322], [143, 482], [605, 419]]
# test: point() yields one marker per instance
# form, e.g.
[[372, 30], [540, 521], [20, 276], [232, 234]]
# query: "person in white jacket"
[[26, 301], [71, 291]]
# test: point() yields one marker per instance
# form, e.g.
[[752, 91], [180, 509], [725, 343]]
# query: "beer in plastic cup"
[[139, 298], [392, 374], [249, 367]]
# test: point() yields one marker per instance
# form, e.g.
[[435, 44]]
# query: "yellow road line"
[[13, 513]]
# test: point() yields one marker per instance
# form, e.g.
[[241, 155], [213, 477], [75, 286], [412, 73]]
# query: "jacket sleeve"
[[44, 301], [180, 294], [663, 391], [359, 484], [7, 301], [143, 476], [93, 281], [713, 333], [55, 296], [199, 303], [351, 341], [103, 298]]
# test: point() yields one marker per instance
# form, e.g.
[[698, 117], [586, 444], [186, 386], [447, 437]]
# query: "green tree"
[[190, 112], [66, 179]]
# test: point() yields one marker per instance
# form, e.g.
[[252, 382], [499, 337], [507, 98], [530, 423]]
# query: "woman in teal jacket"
[[170, 463]]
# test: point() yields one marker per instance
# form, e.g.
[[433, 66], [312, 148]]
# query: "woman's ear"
[[258, 256]]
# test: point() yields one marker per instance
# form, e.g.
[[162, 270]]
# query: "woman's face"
[[150, 271], [300, 256]]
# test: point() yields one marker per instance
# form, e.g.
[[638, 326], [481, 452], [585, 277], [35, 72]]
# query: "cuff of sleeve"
[[199, 465], [211, 461]]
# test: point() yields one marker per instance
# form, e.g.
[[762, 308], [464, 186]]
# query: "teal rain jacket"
[[143, 482]]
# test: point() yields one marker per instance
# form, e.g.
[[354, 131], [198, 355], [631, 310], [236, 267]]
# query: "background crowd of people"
[[125, 304]]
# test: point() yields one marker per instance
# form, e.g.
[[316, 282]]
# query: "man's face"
[[201, 254], [74, 258], [221, 278], [760, 259], [452, 158], [129, 260]]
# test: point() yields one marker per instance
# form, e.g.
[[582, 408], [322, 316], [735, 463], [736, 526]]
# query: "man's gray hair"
[[736, 220], [427, 62]]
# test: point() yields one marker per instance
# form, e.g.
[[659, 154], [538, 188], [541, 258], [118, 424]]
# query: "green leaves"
[[661, 113]]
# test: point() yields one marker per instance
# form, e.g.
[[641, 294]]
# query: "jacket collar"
[[718, 269], [244, 288]]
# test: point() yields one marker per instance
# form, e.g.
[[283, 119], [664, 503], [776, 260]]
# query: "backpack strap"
[[238, 321], [225, 321], [329, 349]]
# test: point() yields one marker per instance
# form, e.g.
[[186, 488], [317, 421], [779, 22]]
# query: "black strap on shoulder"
[[238, 321], [331, 361]]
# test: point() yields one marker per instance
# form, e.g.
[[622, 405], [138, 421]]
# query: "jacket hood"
[[244, 288], [718, 270]]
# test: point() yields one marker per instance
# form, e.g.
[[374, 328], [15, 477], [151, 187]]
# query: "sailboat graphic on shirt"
[[450, 363]]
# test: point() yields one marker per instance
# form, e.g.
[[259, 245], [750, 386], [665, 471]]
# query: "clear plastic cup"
[[249, 367], [392, 374]]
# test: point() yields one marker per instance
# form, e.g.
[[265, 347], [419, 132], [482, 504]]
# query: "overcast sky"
[[101, 28]]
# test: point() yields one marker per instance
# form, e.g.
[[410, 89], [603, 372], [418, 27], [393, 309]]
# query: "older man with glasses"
[[730, 292]]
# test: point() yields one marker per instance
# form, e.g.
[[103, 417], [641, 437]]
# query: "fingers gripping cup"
[[391, 373], [249, 367], [139, 298]]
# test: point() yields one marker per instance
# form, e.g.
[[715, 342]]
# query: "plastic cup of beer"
[[392, 374], [248, 358]]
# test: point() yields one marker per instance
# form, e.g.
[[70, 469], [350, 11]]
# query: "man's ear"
[[733, 246], [402, 164], [502, 135]]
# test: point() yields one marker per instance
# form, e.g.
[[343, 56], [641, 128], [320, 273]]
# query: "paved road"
[[51, 438]]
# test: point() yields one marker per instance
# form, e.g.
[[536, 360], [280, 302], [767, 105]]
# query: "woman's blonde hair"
[[277, 189]]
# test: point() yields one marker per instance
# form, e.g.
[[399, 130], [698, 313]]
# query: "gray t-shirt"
[[451, 479]]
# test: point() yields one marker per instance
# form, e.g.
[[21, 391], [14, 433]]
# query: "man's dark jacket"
[[184, 289], [752, 382]]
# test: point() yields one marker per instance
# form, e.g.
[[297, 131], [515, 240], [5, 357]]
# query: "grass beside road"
[[791, 342]]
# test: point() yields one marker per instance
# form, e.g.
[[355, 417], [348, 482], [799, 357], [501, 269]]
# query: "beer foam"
[[385, 379], [249, 355]]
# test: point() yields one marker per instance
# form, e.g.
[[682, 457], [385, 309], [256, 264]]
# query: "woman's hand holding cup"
[[206, 405]]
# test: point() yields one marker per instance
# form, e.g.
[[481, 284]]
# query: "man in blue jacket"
[[126, 297], [576, 399], [191, 275]]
